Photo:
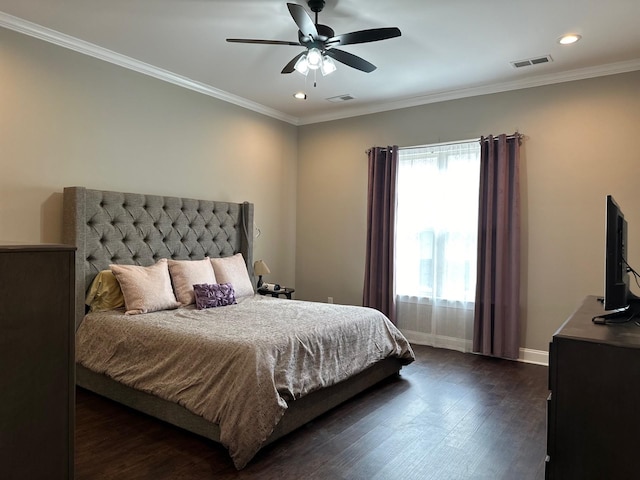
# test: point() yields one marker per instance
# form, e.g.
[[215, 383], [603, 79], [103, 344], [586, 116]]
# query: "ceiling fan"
[[321, 41]]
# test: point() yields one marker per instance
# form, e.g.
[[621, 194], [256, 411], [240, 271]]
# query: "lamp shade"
[[302, 66], [327, 66], [260, 268], [314, 58]]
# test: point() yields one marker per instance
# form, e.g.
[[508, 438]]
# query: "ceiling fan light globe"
[[314, 58], [328, 65], [302, 65]]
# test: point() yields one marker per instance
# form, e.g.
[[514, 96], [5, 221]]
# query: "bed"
[[305, 377]]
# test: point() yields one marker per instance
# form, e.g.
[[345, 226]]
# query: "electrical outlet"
[[329, 299]]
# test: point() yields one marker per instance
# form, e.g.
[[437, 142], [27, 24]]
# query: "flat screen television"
[[618, 299]]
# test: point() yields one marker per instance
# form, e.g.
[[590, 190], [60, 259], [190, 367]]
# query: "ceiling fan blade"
[[364, 36], [351, 60], [268, 42], [303, 20], [289, 67]]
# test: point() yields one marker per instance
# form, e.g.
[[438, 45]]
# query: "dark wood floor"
[[449, 416]]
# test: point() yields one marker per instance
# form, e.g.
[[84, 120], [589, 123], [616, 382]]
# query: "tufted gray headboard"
[[136, 229]]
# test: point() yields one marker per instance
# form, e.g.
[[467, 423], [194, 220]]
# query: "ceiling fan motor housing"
[[316, 5], [324, 34]]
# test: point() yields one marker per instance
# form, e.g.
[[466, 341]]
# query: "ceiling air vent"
[[532, 61], [341, 98]]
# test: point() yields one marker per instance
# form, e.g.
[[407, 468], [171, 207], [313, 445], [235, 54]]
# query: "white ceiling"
[[448, 48]]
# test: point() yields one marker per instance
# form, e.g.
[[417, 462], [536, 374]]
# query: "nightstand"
[[276, 293]]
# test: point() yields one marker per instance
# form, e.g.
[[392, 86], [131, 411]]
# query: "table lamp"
[[260, 268]]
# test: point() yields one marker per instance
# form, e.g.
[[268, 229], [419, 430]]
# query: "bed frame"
[[112, 227]]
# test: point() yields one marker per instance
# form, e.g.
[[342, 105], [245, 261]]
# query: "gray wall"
[[579, 147], [68, 119]]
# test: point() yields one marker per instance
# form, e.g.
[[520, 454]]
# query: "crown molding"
[[530, 82], [52, 36]]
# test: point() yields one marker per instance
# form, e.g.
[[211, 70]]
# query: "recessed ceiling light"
[[300, 95], [569, 38]]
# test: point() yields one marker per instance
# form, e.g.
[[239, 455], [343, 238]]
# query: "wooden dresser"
[[593, 415], [37, 381]]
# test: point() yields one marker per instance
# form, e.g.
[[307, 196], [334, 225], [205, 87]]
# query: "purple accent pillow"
[[214, 295]]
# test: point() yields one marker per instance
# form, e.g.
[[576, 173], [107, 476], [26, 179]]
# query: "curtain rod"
[[517, 135], [431, 145], [442, 144]]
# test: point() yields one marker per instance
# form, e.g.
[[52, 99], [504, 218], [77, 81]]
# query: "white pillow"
[[233, 270], [145, 289], [187, 273]]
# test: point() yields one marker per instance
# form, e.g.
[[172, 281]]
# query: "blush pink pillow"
[[186, 273], [233, 270], [145, 289]]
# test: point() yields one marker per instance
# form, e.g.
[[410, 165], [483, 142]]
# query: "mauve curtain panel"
[[496, 329], [379, 275]]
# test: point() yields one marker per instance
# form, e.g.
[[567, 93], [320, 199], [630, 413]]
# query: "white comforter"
[[238, 366]]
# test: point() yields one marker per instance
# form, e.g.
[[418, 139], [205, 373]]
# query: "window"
[[437, 221]]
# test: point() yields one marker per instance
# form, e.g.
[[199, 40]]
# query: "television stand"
[[592, 411]]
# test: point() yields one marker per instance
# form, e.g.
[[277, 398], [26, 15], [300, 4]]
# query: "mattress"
[[238, 366]]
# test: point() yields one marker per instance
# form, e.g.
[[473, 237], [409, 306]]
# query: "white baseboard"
[[537, 357], [527, 355]]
